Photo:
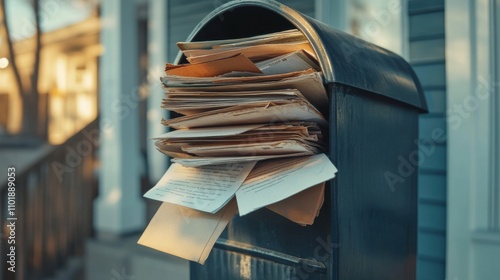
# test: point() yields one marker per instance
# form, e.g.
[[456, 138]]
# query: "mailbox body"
[[368, 223]]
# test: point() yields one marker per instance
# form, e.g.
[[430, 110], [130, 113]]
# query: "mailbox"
[[368, 224]]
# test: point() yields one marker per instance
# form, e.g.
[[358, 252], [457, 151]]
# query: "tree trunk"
[[29, 94], [31, 120]]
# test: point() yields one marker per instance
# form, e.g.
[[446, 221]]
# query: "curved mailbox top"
[[344, 58]]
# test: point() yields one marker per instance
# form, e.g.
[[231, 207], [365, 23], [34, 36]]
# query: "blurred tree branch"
[[29, 94], [7, 39]]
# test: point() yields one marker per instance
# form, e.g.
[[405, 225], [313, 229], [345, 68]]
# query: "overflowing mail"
[[249, 133]]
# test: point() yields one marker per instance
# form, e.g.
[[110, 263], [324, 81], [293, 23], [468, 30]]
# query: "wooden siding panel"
[[427, 56], [435, 162], [184, 16], [436, 101], [305, 7], [432, 245], [430, 270], [432, 187], [185, 8], [427, 50], [432, 128], [432, 217], [431, 75], [429, 25], [419, 6]]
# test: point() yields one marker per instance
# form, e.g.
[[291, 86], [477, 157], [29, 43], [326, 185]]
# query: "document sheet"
[[274, 180], [206, 188]]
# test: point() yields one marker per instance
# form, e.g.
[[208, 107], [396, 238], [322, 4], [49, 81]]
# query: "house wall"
[[62, 52], [427, 56]]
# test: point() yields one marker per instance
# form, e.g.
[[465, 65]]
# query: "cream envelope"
[[185, 232]]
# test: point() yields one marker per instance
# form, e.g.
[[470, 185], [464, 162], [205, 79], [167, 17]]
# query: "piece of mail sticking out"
[[185, 232], [274, 180], [207, 188]]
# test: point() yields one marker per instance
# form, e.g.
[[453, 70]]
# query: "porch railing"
[[53, 209]]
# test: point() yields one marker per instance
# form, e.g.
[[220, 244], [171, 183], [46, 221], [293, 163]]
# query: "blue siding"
[[427, 50], [435, 249], [426, 25], [435, 162], [430, 269], [436, 100], [432, 187], [184, 16], [429, 125], [305, 7], [432, 217], [427, 56], [431, 75], [425, 5]]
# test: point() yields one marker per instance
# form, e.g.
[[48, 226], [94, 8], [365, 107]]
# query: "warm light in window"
[[61, 74], [86, 108], [88, 81], [4, 62]]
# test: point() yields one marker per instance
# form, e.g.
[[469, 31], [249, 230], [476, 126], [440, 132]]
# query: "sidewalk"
[[123, 259]]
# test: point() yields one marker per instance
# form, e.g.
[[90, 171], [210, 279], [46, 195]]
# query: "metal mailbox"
[[368, 224]]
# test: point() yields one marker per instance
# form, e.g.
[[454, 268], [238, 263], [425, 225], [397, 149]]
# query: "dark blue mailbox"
[[367, 226]]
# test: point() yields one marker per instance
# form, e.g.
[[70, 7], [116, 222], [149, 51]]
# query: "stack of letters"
[[250, 135]]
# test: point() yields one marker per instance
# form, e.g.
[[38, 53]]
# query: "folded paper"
[[185, 232], [276, 180]]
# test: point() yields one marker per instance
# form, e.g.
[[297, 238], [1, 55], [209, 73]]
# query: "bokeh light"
[[4, 62]]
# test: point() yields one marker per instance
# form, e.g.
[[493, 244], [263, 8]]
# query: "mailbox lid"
[[344, 58]]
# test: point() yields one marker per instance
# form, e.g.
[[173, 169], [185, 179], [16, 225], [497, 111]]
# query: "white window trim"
[[495, 124], [473, 147]]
